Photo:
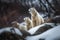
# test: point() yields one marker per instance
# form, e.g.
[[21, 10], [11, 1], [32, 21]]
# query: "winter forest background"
[[16, 10]]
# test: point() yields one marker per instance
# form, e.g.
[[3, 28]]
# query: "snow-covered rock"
[[33, 30], [13, 30], [48, 35]]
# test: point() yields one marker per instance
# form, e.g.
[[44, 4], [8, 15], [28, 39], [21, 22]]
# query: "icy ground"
[[51, 34]]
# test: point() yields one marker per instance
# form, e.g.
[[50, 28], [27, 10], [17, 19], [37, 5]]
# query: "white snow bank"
[[34, 29], [8, 29], [48, 35]]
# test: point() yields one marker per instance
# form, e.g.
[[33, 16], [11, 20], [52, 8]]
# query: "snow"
[[50, 1], [34, 29], [8, 29], [42, 14], [48, 35], [23, 23]]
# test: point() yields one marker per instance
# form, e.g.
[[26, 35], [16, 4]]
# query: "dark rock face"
[[10, 36], [56, 19], [42, 39], [25, 33]]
